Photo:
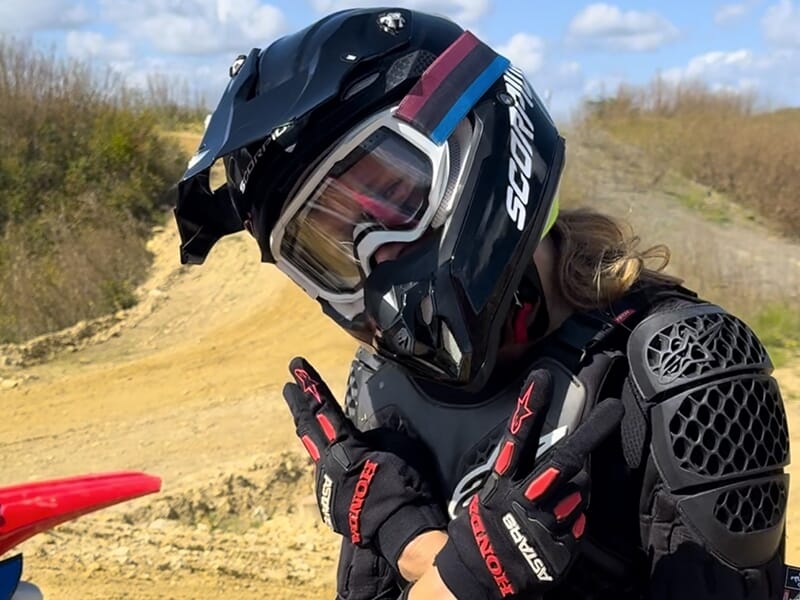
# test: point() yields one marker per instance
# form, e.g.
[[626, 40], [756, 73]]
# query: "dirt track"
[[189, 389]]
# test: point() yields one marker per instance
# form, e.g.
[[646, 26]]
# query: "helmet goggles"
[[384, 183]]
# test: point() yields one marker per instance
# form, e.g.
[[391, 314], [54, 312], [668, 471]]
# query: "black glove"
[[363, 575], [372, 497], [521, 529]]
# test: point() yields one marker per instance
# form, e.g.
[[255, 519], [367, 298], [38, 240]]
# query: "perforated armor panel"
[[719, 431]]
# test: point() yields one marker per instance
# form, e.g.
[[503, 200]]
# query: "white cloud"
[[714, 64], [525, 51], [88, 44], [604, 26], [730, 12], [781, 24], [774, 75], [27, 16], [198, 27], [461, 11]]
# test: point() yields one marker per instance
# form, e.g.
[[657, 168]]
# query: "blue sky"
[[569, 49]]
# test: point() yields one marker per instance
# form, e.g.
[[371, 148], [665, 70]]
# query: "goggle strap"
[[451, 87]]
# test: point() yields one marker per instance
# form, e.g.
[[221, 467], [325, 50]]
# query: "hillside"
[[186, 385]]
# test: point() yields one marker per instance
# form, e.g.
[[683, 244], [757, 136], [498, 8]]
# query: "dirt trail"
[[188, 388]]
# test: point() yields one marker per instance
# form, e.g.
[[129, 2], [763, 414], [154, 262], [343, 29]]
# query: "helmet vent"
[[410, 66], [360, 85]]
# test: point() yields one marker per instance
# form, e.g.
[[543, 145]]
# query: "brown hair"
[[599, 260]]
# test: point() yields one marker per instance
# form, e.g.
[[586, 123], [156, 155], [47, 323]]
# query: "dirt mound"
[[237, 529], [97, 331], [236, 501]]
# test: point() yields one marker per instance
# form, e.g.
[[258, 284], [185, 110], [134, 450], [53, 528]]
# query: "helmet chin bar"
[[400, 299]]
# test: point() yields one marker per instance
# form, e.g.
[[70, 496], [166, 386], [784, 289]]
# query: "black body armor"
[[690, 496]]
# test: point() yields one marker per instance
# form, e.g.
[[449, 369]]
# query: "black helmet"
[[371, 129]]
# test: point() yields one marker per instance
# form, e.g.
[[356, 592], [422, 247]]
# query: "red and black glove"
[[521, 530], [369, 495]]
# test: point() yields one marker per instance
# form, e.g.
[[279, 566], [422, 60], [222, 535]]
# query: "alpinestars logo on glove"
[[522, 412], [357, 503], [531, 556], [325, 500]]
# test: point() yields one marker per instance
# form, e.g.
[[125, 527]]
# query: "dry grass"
[[720, 140], [654, 145], [83, 174]]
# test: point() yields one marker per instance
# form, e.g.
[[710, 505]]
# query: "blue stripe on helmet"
[[468, 99]]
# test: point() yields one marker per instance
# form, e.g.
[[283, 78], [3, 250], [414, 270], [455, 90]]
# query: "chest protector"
[[701, 410], [462, 434]]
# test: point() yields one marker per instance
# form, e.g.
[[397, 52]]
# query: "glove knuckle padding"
[[719, 433]]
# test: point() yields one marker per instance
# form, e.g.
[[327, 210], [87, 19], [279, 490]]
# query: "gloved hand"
[[372, 497], [521, 530]]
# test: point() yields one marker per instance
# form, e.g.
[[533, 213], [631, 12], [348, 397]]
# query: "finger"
[[299, 405], [318, 421], [572, 499], [598, 426], [309, 380], [569, 506], [569, 456], [579, 526], [521, 437], [307, 426], [328, 411]]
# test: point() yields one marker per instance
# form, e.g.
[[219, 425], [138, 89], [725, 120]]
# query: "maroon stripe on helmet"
[[434, 75]]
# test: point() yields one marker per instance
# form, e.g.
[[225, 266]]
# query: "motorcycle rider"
[[405, 175]]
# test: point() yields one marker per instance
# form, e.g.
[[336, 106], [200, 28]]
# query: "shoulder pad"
[[675, 348], [719, 431]]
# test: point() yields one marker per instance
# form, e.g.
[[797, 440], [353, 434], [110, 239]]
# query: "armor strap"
[[586, 332], [634, 429]]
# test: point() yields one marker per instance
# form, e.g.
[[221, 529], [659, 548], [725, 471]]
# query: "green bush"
[[778, 327], [83, 175]]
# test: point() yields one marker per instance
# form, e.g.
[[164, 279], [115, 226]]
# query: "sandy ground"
[[188, 388]]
